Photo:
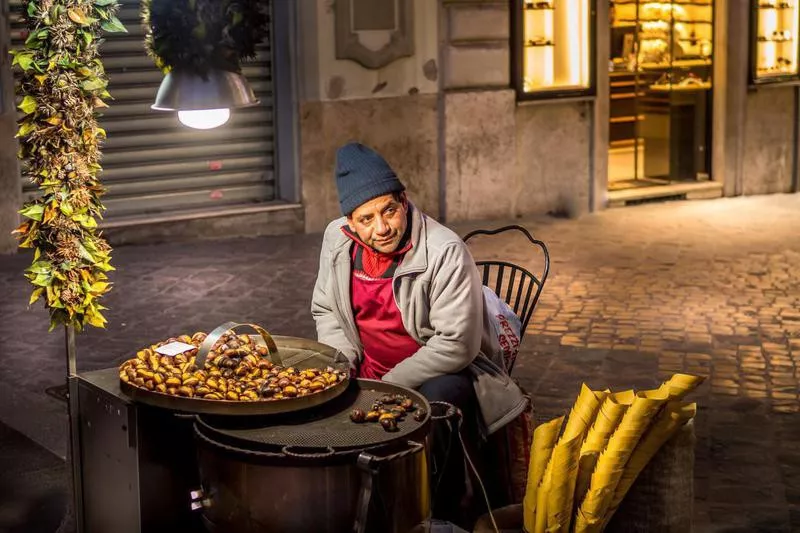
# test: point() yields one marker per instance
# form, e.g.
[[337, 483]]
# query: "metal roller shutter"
[[155, 166]]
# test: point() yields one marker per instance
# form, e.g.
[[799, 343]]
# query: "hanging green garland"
[[200, 35], [63, 84]]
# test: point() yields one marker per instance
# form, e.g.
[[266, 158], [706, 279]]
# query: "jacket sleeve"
[[329, 330], [456, 316]]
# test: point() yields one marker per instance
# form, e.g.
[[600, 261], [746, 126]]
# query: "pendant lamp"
[[204, 103]]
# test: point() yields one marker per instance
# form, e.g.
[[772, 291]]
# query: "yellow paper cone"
[[679, 385], [541, 501], [562, 469], [583, 413], [668, 422], [544, 439], [611, 411], [613, 459], [561, 493]]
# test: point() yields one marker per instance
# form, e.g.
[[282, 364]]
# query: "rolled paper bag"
[[608, 418], [540, 525], [544, 440], [669, 421], [612, 460], [561, 492], [580, 419], [679, 385], [582, 414]]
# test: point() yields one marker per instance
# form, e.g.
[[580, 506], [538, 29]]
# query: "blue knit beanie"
[[361, 175]]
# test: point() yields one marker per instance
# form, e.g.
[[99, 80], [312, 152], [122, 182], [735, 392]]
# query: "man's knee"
[[451, 388]]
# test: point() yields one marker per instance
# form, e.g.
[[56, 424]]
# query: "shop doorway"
[[661, 62]]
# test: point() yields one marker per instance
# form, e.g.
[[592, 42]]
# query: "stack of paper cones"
[[577, 480]]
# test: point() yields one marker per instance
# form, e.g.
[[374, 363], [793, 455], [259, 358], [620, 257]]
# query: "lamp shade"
[[186, 91]]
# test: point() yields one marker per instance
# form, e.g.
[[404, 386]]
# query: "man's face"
[[381, 222]]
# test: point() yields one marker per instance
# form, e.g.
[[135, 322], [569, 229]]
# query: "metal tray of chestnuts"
[[224, 373]]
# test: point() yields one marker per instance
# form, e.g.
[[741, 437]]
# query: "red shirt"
[[380, 325]]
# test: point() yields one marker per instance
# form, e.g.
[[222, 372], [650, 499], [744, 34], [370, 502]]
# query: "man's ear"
[[404, 199], [350, 223]]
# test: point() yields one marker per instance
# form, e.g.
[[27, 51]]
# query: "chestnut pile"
[[388, 410], [236, 369]]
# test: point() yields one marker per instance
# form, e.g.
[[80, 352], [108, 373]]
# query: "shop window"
[[774, 41], [553, 48]]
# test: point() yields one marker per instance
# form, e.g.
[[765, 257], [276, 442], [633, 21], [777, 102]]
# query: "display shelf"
[[537, 6], [620, 120], [676, 2], [678, 87], [681, 21], [676, 64]]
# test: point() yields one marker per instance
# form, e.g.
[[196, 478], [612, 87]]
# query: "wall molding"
[[349, 46]]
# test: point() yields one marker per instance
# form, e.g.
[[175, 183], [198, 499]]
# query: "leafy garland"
[[201, 35], [63, 84]]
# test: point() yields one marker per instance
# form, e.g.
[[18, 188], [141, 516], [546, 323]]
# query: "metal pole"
[[72, 365], [74, 513]]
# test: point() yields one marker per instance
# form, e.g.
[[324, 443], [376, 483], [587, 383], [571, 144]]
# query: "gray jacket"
[[439, 294]]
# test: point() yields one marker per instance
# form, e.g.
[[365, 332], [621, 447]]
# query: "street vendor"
[[399, 295]]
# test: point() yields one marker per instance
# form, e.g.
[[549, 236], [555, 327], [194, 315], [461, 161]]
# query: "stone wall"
[[554, 158], [475, 48], [10, 186], [769, 143], [480, 155], [506, 160], [402, 129]]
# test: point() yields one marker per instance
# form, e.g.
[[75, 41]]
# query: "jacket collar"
[[415, 260]]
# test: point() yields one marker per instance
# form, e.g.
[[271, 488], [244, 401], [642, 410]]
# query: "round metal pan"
[[297, 352], [327, 430]]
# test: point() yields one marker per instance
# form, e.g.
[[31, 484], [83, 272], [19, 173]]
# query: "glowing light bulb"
[[204, 119]]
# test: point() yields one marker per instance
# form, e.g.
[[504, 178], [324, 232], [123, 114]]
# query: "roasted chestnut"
[[387, 399], [389, 424], [398, 412], [249, 395], [358, 415], [407, 404], [372, 416]]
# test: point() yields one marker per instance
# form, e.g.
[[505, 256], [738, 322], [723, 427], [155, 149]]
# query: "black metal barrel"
[[322, 473]]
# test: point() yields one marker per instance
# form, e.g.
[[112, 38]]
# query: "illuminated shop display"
[[774, 40], [671, 38], [554, 47], [661, 65]]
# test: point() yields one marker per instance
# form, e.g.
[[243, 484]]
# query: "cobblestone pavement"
[[634, 295]]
